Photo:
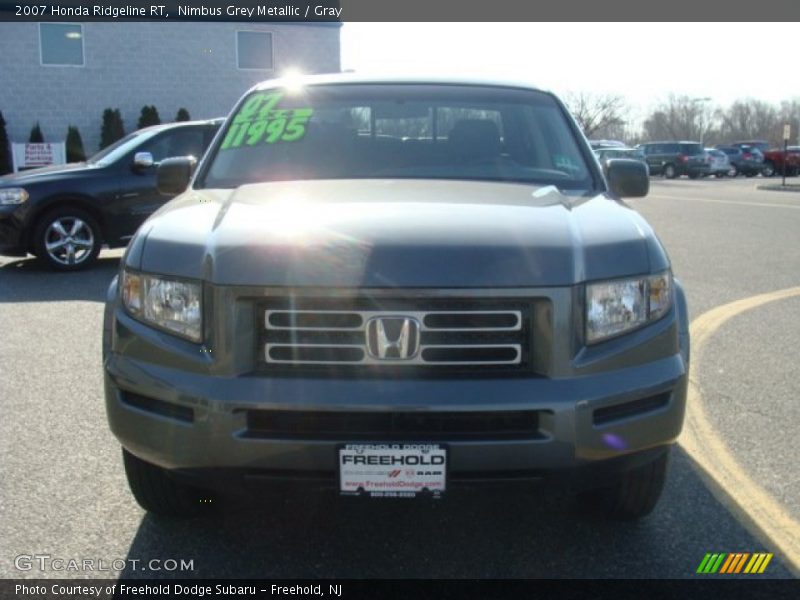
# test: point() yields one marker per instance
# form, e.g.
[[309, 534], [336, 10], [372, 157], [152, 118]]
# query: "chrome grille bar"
[[479, 337]]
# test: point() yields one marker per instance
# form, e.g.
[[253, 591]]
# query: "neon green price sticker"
[[260, 121]]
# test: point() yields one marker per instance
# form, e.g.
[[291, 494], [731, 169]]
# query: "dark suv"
[[673, 159], [394, 288], [64, 214]]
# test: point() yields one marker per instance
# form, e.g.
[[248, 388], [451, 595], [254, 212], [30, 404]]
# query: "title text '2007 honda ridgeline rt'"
[[394, 287]]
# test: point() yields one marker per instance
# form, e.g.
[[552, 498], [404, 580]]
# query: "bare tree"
[[790, 114], [679, 118], [599, 115], [750, 119]]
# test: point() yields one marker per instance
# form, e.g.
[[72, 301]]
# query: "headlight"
[[619, 306], [12, 196], [166, 303]]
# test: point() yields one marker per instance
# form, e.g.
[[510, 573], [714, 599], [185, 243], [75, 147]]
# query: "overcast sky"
[[642, 61]]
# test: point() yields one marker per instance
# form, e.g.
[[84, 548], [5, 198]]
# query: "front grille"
[[400, 333], [398, 426]]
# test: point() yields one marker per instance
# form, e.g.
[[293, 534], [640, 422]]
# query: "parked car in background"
[[64, 214], [745, 160], [718, 162], [774, 158], [407, 286], [597, 144], [673, 159], [608, 152]]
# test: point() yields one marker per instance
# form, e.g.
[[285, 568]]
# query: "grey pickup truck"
[[394, 288]]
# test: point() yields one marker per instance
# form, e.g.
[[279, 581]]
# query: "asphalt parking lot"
[[64, 494]]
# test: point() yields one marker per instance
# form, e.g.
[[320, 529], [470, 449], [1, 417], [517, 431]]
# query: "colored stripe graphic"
[[734, 563], [711, 562], [703, 563], [741, 562], [757, 558], [764, 564], [728, 563]]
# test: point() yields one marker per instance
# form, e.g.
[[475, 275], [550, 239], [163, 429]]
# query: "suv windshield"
[[398, 131]]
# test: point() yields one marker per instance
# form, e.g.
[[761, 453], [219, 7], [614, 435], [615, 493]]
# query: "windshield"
[[120, 148], [398, 131]]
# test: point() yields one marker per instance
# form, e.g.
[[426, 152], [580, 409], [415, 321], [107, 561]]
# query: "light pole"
[[702, 118]]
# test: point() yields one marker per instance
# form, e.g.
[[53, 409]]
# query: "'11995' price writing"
[[259, 120]]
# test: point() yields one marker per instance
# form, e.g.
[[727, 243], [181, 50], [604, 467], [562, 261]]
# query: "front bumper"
[[216, 437], [609, 405]]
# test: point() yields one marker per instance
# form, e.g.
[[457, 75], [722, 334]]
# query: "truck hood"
[[395, 233]]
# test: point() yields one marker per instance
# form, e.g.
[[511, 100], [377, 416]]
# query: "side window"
[[182, 142], [672, 148]]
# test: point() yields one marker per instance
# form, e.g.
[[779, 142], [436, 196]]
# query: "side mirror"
[[173, 174], [627, 178], [142, 161]]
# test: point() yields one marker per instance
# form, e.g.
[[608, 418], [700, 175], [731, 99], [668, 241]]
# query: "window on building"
[[61, 44], [254, 50]]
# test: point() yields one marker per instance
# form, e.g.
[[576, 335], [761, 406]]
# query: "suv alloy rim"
[[69, 241]]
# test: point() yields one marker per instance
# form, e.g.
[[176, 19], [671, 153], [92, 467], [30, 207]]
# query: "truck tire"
[[634, 496], [768, 170], [670, 172], [158, 493]]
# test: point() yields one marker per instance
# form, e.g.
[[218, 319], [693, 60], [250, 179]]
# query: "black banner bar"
[[319, 11], [711, 587], [400, 10]]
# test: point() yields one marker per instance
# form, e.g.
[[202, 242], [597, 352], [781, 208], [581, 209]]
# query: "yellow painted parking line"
[[715, 201], [733, 486]]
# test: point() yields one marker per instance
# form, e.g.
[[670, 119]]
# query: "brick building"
[[62, 74]]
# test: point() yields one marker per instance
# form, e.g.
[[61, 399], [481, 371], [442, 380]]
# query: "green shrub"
[[149, 116], [36, 136], [112, 128], [5, 148], [75, 151]]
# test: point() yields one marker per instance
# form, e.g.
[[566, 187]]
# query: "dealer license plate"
[[386, 470]]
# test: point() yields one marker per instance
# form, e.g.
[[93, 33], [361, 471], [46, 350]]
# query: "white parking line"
[[694, 199]]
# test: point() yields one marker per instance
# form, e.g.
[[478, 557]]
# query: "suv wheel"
[[634, 496], [67, 239], [768, 170], [733, 171], [670, 172], [157, 492]]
